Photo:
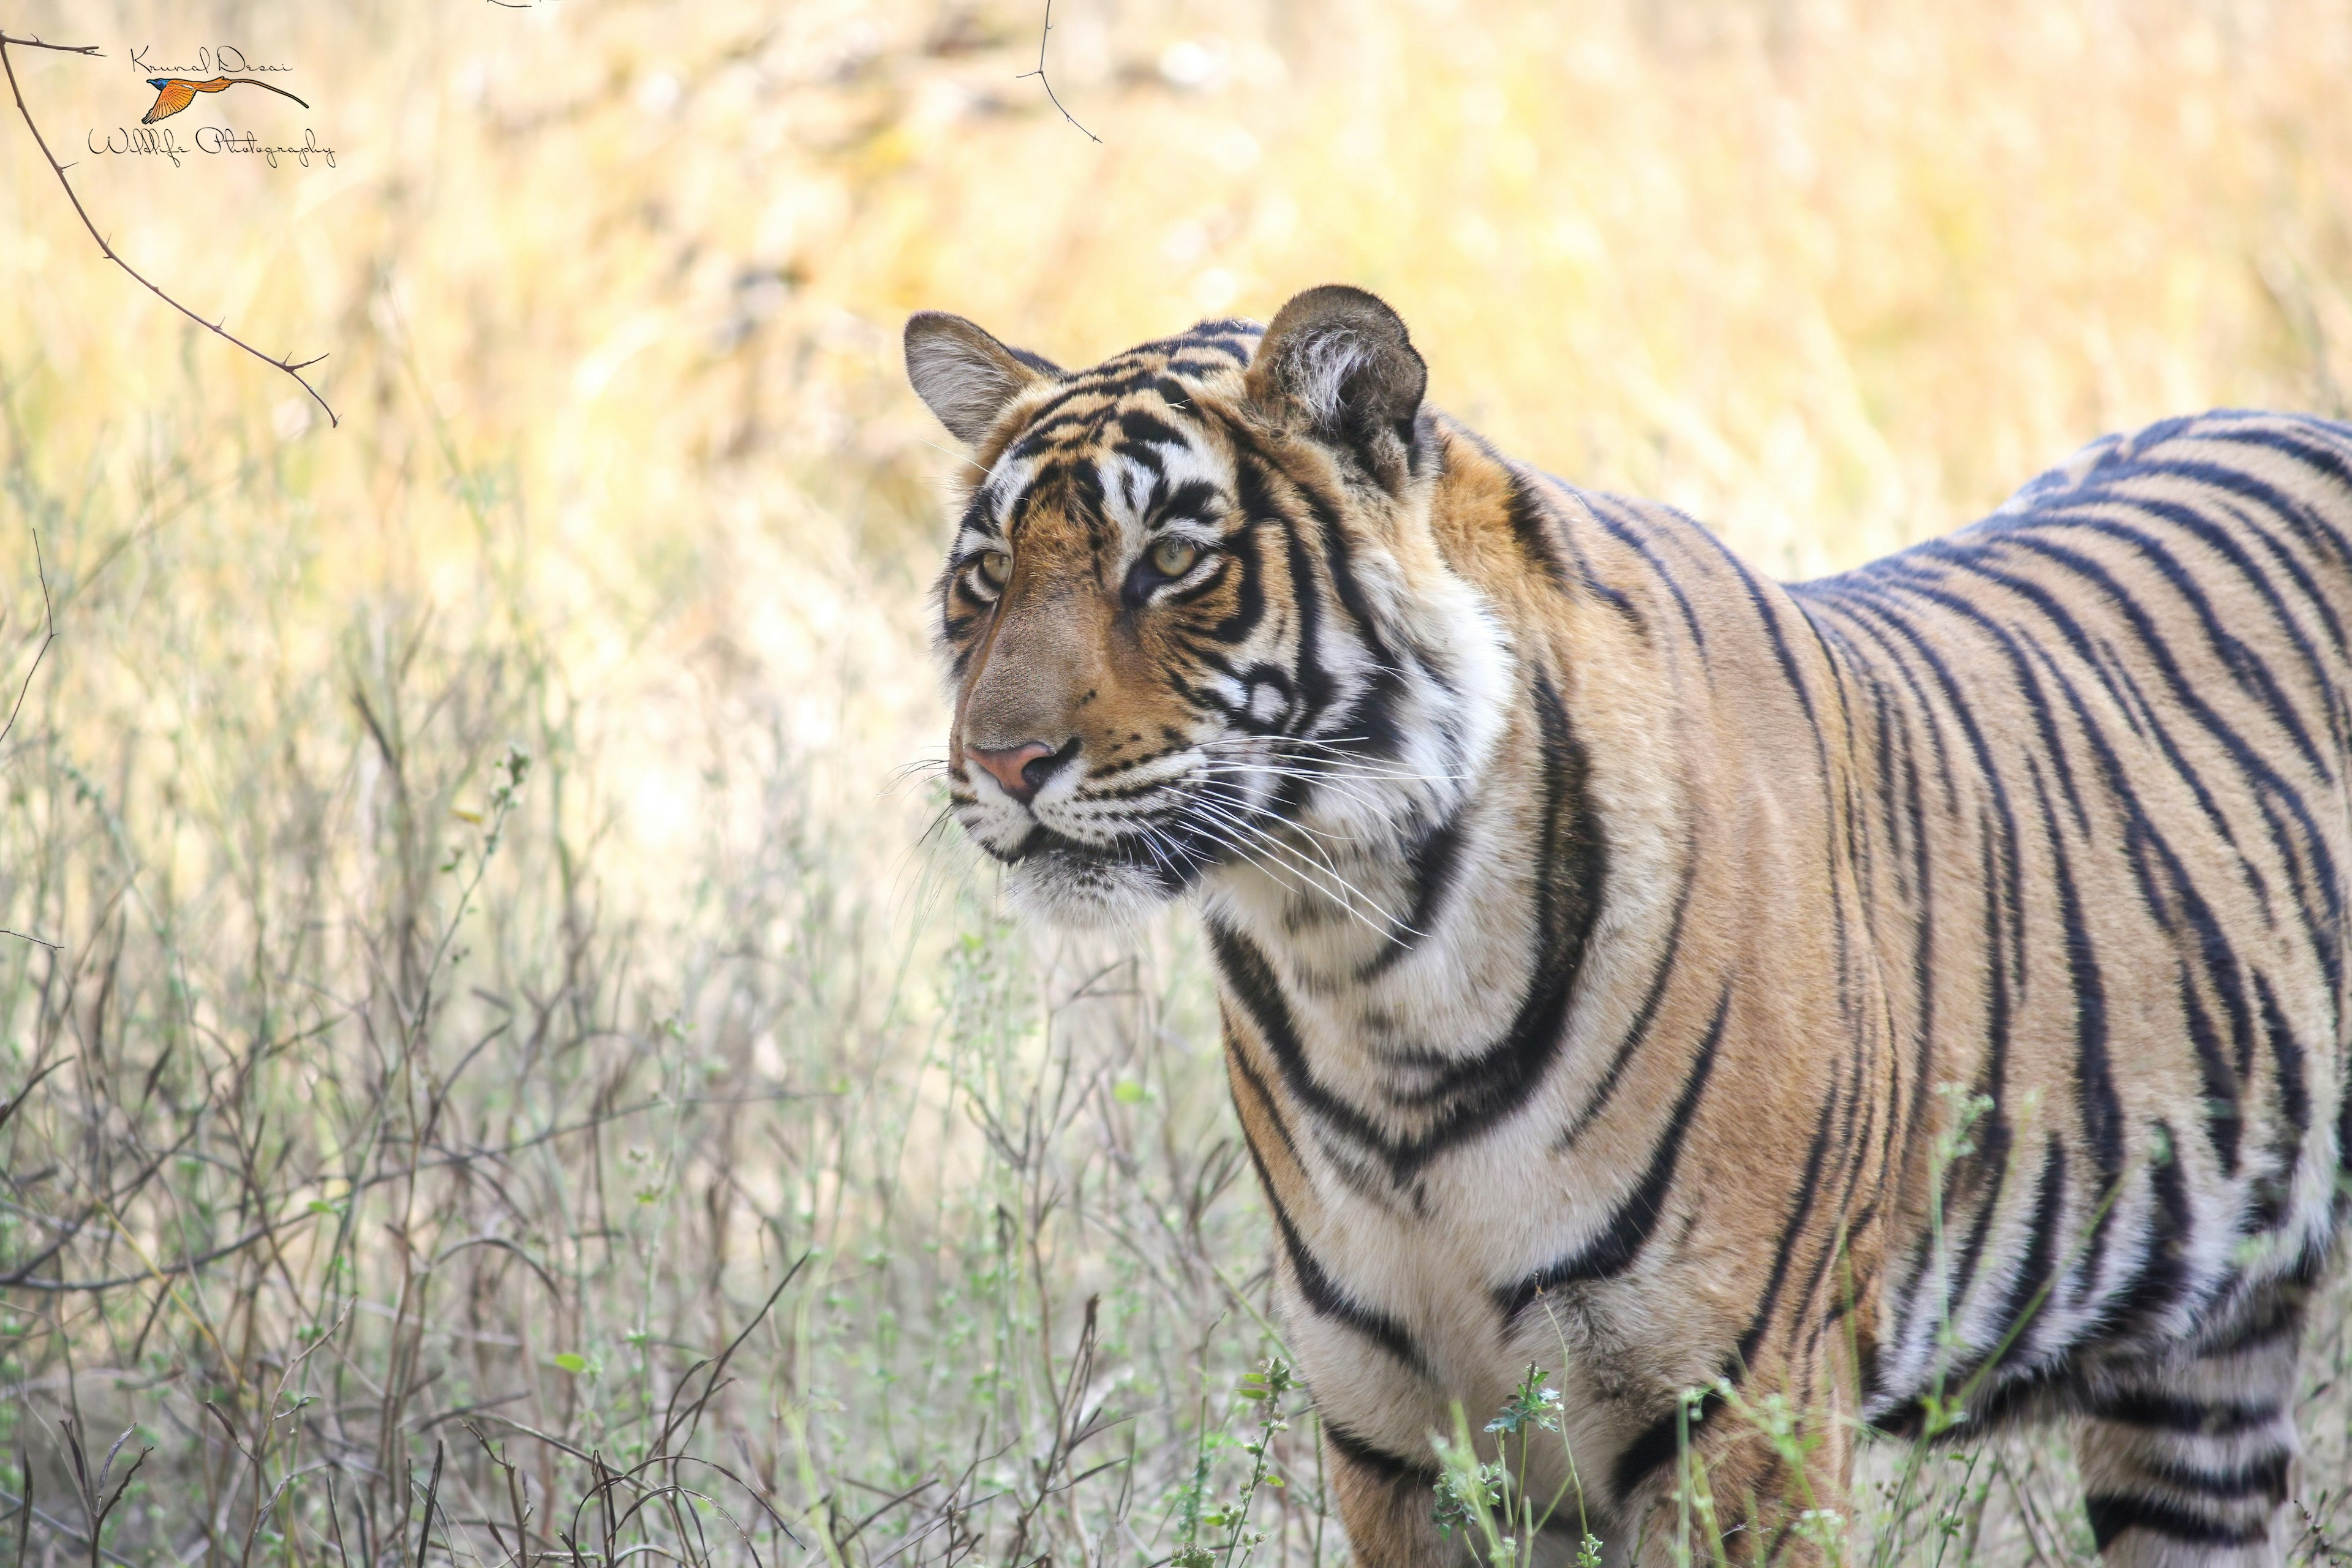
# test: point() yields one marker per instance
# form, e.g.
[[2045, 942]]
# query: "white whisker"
[[1346, 893]]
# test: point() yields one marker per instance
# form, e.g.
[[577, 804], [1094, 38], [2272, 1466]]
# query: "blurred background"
[[485, 921]]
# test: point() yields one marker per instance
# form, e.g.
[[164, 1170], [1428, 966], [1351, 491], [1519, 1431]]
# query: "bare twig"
[[25, 1509], [24, 1278], [1048, 81], [291, 367], [50, 634], [719, 1367], [96, 1503], [92, 50], [26, 1515], [2321, 1544], [50, 620], [8, 1108], [432, 1499]]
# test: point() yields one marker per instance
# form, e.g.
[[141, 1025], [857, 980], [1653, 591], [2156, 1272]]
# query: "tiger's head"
[[1197, 628]]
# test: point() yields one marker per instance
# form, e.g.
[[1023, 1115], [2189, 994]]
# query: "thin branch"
[[49, 625], [91, 50], [49, 619], [25, 1280], [291, 367], [22, 1282], [1039, 74]]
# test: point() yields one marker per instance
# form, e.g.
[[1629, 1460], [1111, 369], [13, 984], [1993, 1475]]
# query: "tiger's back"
[[2041, 832], [2114, 718]]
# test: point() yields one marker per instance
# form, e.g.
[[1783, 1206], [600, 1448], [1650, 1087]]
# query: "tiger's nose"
[[1023, 769]]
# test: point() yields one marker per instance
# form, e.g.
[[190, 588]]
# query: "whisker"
[[1235, 799], [1338, 786], [1348, 892], [1314, 857], [1340, 762], [1217, 835]]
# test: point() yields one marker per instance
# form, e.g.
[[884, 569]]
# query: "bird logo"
[[174, 93]]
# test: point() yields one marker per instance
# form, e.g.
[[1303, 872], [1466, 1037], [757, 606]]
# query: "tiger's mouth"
[[1301, 815], [1171, 851], [1069, 881], [1108, 871], [1046, 847]]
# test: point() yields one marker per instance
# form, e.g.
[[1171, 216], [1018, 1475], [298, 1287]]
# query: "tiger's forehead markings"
[[1116, 439]]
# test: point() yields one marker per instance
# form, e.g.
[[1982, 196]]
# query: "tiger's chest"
[[1420, 1190]]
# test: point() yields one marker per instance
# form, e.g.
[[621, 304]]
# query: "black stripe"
[[2170, 1412], [2119, 684], [2111, 1515], [2322, 457], [2303, 521], [1659, 1442], [1358, 1451], [2263, 1477], [2029, 684], [1808, 1190], [1615, 598], [2273, 1315], [1599, 505], [2253, 677], [1243, 545], [1533, 527], [2295, 1091], [1862, 598], [1326, 1297], [1247, 974], [2100, 1108], [1639, 1029], [1571, 872], [2320, 881], [1339, 555], [1988, 1168], [2191, 520], [2025, 1292], [2163, 1277], [1629, 1229], [1257, 1086], [2319, 529], [2220, 963], [1431, 862]]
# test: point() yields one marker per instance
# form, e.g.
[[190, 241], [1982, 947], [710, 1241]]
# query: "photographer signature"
[[209, 139]]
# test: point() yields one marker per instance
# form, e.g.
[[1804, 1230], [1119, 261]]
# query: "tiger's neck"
[[1416, 974]]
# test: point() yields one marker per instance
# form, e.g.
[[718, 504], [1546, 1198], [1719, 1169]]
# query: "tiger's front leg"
[[1389, 1511], [1767, 1478], [1736, 1497]]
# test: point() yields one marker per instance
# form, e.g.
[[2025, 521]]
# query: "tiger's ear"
[[965, 375], [1338, 359]]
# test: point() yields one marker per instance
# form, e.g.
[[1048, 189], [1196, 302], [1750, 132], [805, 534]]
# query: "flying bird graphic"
[[174, 93]]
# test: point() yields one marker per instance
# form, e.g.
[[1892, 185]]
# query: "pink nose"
[[1009, 767]]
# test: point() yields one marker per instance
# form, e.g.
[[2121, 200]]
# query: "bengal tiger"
[[1917, 995]]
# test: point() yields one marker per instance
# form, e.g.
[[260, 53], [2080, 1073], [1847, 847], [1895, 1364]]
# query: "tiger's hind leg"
[[2184, 1457]]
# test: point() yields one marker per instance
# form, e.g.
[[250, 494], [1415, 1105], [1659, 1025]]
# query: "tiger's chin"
[[1064, 887]]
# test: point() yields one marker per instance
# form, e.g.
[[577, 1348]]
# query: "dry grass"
[[491, 951]]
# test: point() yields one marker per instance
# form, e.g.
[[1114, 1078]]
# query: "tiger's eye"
[[995, 566], [1174, 557]]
